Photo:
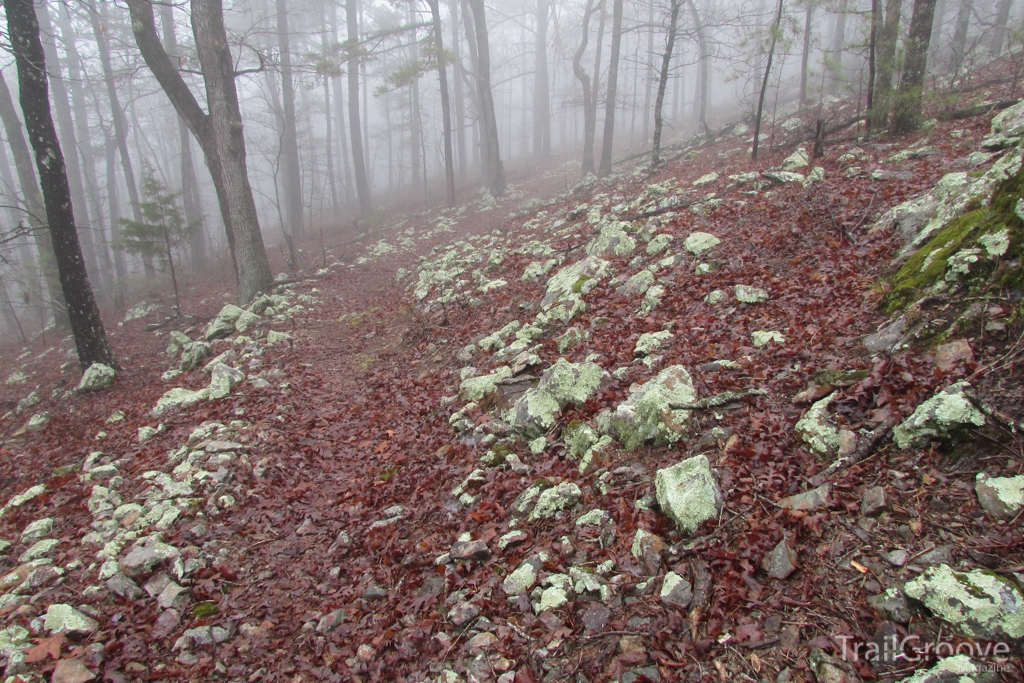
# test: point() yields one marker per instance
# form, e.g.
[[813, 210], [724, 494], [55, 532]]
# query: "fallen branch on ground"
[[865, 447], [718, 400]]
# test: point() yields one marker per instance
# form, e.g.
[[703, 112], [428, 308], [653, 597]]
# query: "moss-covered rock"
[[612, 240], [537, 410], [575, 279], [224, 324], [578, 437], [475, 388], [947, 414], [817, 430], [649, 342], [645, 417], [688, 493], [978, 604]]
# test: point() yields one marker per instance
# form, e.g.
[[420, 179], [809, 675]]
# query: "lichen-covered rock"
[[523, 578], [176, 343], [645, 417], [246, 320], [612, 240], [66, 619], [750, 295], [575, 279], [476, 388], [676, 591], [956, 669], [698, 242], [555, 499], [979, 603], [688, 493], [796, 160], [762, 338], [649, 342], [578, 437], [571, 337], [783, 177], [179, 397], [193, 354], [223, 380], [39, 529], [945, 415], [38, 422], [780, 562], [96, 378], [705, 179], [536, 411], [1000, 496], [224, 324], [638, 283], [817, 430], [29, 401], [275, 337], [714, 297], [658, 243]]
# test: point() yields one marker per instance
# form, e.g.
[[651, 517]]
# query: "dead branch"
[[718, 400], [866, 447]]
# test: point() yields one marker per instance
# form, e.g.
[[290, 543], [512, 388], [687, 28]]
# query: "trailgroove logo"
[[893, 649]]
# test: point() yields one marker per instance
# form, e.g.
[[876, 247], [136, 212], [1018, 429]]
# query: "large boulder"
[[176, 343], [536, 411], [688, 493], [223, 379], [645, 417], [575, 279], [476, 388], [224, 324], [193, 354], [945, 415], [179, 397], [979, 603], [96, 378]]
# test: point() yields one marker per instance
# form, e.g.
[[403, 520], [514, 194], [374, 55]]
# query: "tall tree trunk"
[[805, 54], [605, 167], [704, 65], [460, 104], [290, 135], [937, 21], [839, 45], [650, 71], [340, 117], [190, 196], [219, 133], [666, 62], [959, 44], [764, 83], [1003, 7], [589, 112], [358, 160], [414, 104], [86, 325], [328, 118], [446, 109], [886, 65], [479, 150], [906, 114], [494, 173], [541, 89]]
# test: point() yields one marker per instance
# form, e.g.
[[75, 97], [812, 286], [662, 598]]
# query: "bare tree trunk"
[[764, 83], [340, 117], [666, 61], [358, 160], [479, 150], [494, 171], [959, 44], [882, 99], [1003, 7], [705, 65], [805, 54], [872, 45], [605, 167], [839, 45], [541, 89], [86, 325], [589, 112], [906, 115], [328, 118], [446, 109], [414, 106], [289, 134], [460, 104], [219, 133], [650, 71]]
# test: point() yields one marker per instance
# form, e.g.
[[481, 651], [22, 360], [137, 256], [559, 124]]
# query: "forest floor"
[[302, 527]]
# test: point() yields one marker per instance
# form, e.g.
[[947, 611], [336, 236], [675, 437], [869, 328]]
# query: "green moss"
[[578, 285], [838, 378], [204, 610]]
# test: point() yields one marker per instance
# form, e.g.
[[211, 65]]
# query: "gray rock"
[[224, 324], [66, 619], [223, 379], [173, 596], [523, 578], [193, 354], [979, 603], [897, 558], [166, 623], [41, 528], [463, 614], [817, 430], [873, 503], [143, 559], [96, 378], [554, 499], [648, 548], [646, 416], [676, 591], [595, 618], [176, 343], [1000, 496], [780, 562], [808, 500], [641, 674], [688, 493], [945, 415], [464, 551], [199, 636], [330, 621], [123, 586], [956, 669], [942, 554], [827, 669], [886, 338]]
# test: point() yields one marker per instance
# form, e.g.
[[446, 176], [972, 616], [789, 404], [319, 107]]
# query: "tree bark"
[[460, 106], [659, 100], [328, 118], [650, 72], [605, 167], [86, 325], [705, 64], [1003, 7], [959, 44], [764, 83], [289, 135], [906, 115], [446, 109], [805, 54], [541, 88], [589, 112], [218, 133], [340, 118], [358, 160], [886, 65], [494, 170]]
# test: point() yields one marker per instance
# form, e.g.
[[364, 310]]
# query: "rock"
[[578, 437], [688, 493], [676, 591], [537, 410], [38, 529], [575, 280], [647, 548], [330, 621], [31, 400], [595, 518], [642, 674], [66, 619], [38, 422], [193, 354], [947, 356], [223, 379], [476, 388], [942, 554], [649, 342], [645, 417], [808, 500], [638, 284], [827, 670], [224, 324], [780, 562], [761, 338], [178, 398], [246, 320], [705, 179], [979, 603], [886, 338], [512, 538], [71, 670], [750, 295], [552, 500], [873, 503], [199, 636], [551, 599], [38, 549], [595, 619], [482, 641], [176, 343], [817, 430], [796, 160], [96, 378], [698, 242], [123, 586], [945, 415], [523, 578], [143, 559], [275, 337], [463, 614], [464, 551], [173, 596], [958, 668], [847, 443], [612, 240], [782, 177], [1000, 496], [897, 558]]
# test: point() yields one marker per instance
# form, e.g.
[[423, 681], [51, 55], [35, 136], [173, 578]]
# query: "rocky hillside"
[[657, 427]]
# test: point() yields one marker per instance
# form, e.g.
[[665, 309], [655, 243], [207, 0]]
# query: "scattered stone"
[[1000, 496], [817, 430], [750, 295], [942, 554], [523, 578], [945, 415], [223, 380], [808, 500], [780, 562], [596, 617], [554, 499], [956, 668], [173, 596], [125, 587], [947, 356], [96, 378], [71, 670], [38, 549], [647, 548], [224, 324], [330, 621], [980, 604], [714, 297], [761, 338], [37, 530], [464, 551], [38, 422], [176, 343], [897, 558], [512, 538], [649, 342], [463, 614], [646, 416], [676, 591], [873, 503], [275, 337], [796, 160], [688, 493], [143, 559], [827, 669], [193, 354], [886, 338], [698, 242], [176, 398], [66, 619]]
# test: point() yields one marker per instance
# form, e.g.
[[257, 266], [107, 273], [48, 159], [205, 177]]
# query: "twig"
[[864, 448], [718, 400]]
